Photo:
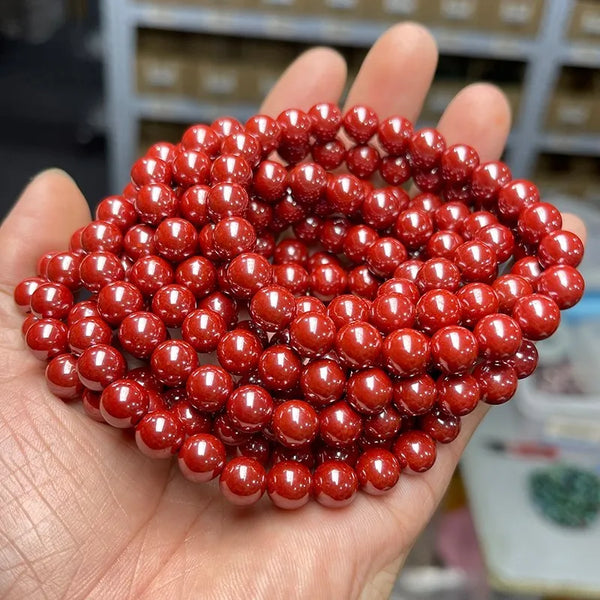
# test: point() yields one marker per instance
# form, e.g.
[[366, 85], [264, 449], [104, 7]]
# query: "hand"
[[84, 515]]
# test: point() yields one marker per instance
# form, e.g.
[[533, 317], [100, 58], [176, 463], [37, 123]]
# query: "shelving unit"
[[544, 55]]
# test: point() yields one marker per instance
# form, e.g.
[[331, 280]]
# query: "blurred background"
[[88, 84]]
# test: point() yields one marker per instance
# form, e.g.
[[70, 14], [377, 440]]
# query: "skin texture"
[[85, 515]]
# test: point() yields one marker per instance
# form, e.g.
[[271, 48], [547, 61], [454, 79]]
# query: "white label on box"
[[161, 76], [590, 23], [400, 7], [220, 83], [574, 114], [516, 13], [458, 10], [342, 4]]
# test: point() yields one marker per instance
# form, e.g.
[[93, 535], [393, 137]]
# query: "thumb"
[[49, 210]]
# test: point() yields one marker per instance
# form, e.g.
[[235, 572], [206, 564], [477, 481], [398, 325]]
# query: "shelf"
[[580, 55], [581, 144], [183, 110], [318, 29]]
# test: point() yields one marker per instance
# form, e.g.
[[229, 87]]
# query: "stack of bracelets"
[[268, 304]]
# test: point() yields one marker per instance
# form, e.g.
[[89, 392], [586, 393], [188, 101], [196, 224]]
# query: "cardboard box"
[[514, 17], [220, 82], [585, 21], [463, 14], [570, 112]]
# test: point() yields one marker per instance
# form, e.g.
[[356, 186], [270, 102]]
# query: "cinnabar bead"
[[289, 485], [436, 309], [438, 273], [118, 211], [538, 316], [394, 134], [487, 180], [140, 333], [369, 391], [400, 285], [384, 425], [563, 284], [23, 291], [538, 220], [415, 395], [292, 277], [201, 457], [497, 382], [117, 300], [334, 484], [100, 365], [330, 155], [458, 162], [328, 281], [273, 307], [201, 137], [51, 301], [256, 447], [476, 301], [406, 352], [443, 244], [498, 336], [425, 148], [123, 403], [476, 261], [312, 334], [454, 349], [322, 382], [155, 202], [208, 387], [415, 450], [247, 273], [88, 332], [266, 130], [159, 434], [306, 304], [413, 228], [223, 305], [516, 196], [358, 344], [172, 304], [360, 123], [326, 121], [139, 241], [172, 361], [560, 247], [238, 351], [249, 408], [377, 470], [149, 274], [243, 481], [440, 425], [175, 239], [362, 282], [525, 360], [63, 268], [509, 288], [62, 379], [458, 394], [384, 255], [295, 423], [391, 311], [279, 368]]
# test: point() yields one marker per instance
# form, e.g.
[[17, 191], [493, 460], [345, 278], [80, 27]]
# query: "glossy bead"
[[289, 485], [415, 395], [334, 484], [102, 236], [82, 310], [306, 304], [190, 167], [450, 216], [458, 162], [443, 244], [249, 408], [454, 349], [312, 334], [426, 147], [413, 228], [63, 268], [62, 379], [172, 361], [88, 332], [358, 241], [256, 447], [175, 239], [476, 261], [394, 134], [51, 301], [339, 424], [123, 403], [440, 425], [91, 405], [369, 391], [100, 365], [322, 382], [538, 220], [201, 457], [28, 322], [378, 471], [406, 352], [266, 130], [363, 160], [516, 196], [487, 180], [247, 273], [295, 423], [525, 360], [560, 247], [149, 274], [458, 394], [498, 336], [232, 236], [117, 300], [329, 155], [198, 275], [563, 284], [415, 450], [279, 368], [384, 425], [436, 309], [307, 182], [272, 307], [360, 123], [358, 344], [244, 145], [345, 193], [150, 170], [509, 288], [328, 281], [159, 435], [118, 211], [243, 481], [394, 170], [145, 377], [438, 273], [270, 181], [292, 277], [172, 304], [475, 222], [384, 255], [392, 311], [497, 382], [139, 241], [140, 333], [347, 309], [223, 305], [226, 200], [225, 126], [155, 202], [399, 285], [208, 387], [201, 137], [24, 290], [476, 301], [362, 282], [381, 207], [238, 351], [537, 315], [295, 125]]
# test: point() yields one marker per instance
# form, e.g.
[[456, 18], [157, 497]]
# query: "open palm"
[[84, 515]]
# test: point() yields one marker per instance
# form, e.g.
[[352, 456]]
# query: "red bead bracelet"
[[302, 329]]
